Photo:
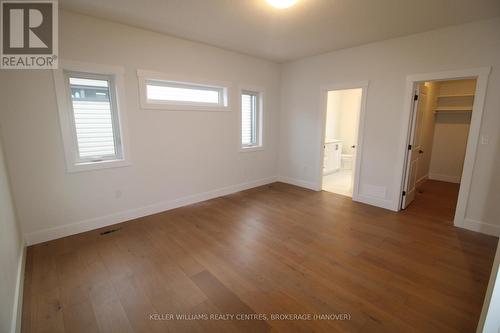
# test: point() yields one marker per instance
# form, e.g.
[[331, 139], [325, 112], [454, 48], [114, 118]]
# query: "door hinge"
[[415, 98], [409, 147], [404, 193]]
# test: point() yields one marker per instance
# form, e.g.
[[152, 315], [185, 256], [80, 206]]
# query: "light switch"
[[484, 140]]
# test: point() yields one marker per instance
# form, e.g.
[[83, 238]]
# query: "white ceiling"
[[310, 27]]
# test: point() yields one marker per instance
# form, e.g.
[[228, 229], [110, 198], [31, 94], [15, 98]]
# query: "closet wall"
[[428, 96], [453, 110]]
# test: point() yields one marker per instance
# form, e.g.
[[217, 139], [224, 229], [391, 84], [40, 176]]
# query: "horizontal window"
[[159, 93], [178, 92]]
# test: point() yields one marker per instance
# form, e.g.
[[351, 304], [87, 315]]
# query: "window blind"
[[249, 119]]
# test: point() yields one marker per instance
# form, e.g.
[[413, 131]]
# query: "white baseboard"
[[444, 178], [103, 221], [375, 201], [299, 182], [363, 198], [482, 227], [17, 310]]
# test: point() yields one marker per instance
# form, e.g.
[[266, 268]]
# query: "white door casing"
[[481, 74]]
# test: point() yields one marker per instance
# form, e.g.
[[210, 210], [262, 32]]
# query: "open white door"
[[414, 150]]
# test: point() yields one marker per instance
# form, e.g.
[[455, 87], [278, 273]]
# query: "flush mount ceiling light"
[[282, 4]]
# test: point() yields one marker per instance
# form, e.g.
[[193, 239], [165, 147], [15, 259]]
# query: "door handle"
[[420, 151], [353, 146]]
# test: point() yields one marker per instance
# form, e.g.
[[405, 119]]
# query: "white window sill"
[[251, 148], [89, 166]]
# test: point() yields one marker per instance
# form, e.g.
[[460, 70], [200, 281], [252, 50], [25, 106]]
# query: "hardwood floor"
[[277, 249], [435, 199]]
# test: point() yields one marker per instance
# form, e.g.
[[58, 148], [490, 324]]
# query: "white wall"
[[489, 322], [386, 64], [174, 154], [448, 147], [11, 249], [342, 114], [450, 132], [333, 103], [178, 155]]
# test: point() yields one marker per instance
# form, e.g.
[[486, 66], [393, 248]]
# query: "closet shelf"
[[456, 95], [453, 109]]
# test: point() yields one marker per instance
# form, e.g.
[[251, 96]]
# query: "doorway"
[[340, 140], [439, 133]]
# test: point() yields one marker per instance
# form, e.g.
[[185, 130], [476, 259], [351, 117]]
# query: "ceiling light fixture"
[[282, 4]]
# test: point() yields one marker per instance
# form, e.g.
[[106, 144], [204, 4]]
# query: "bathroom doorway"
[[341, 138]]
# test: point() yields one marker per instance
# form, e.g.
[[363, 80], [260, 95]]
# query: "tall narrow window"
[[250, 119]]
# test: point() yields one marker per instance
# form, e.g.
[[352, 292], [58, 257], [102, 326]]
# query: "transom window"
[[157, 92], [182, 92]]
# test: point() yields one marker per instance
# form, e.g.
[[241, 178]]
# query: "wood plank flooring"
[[272, 250], [435, 199]]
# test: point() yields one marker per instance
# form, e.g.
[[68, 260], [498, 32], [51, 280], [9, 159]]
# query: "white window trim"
[[65, 116], [260, 118], [144, 75]]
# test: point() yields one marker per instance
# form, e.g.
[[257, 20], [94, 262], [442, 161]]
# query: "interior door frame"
[[363, 85], [481, 75]]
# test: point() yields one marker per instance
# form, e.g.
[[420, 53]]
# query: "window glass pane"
[[92, 112], [248, 119], [165, 91]]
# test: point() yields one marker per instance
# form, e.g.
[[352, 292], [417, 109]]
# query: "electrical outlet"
[[485, 140]]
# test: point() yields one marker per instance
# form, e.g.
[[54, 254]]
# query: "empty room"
[[249, 166]]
